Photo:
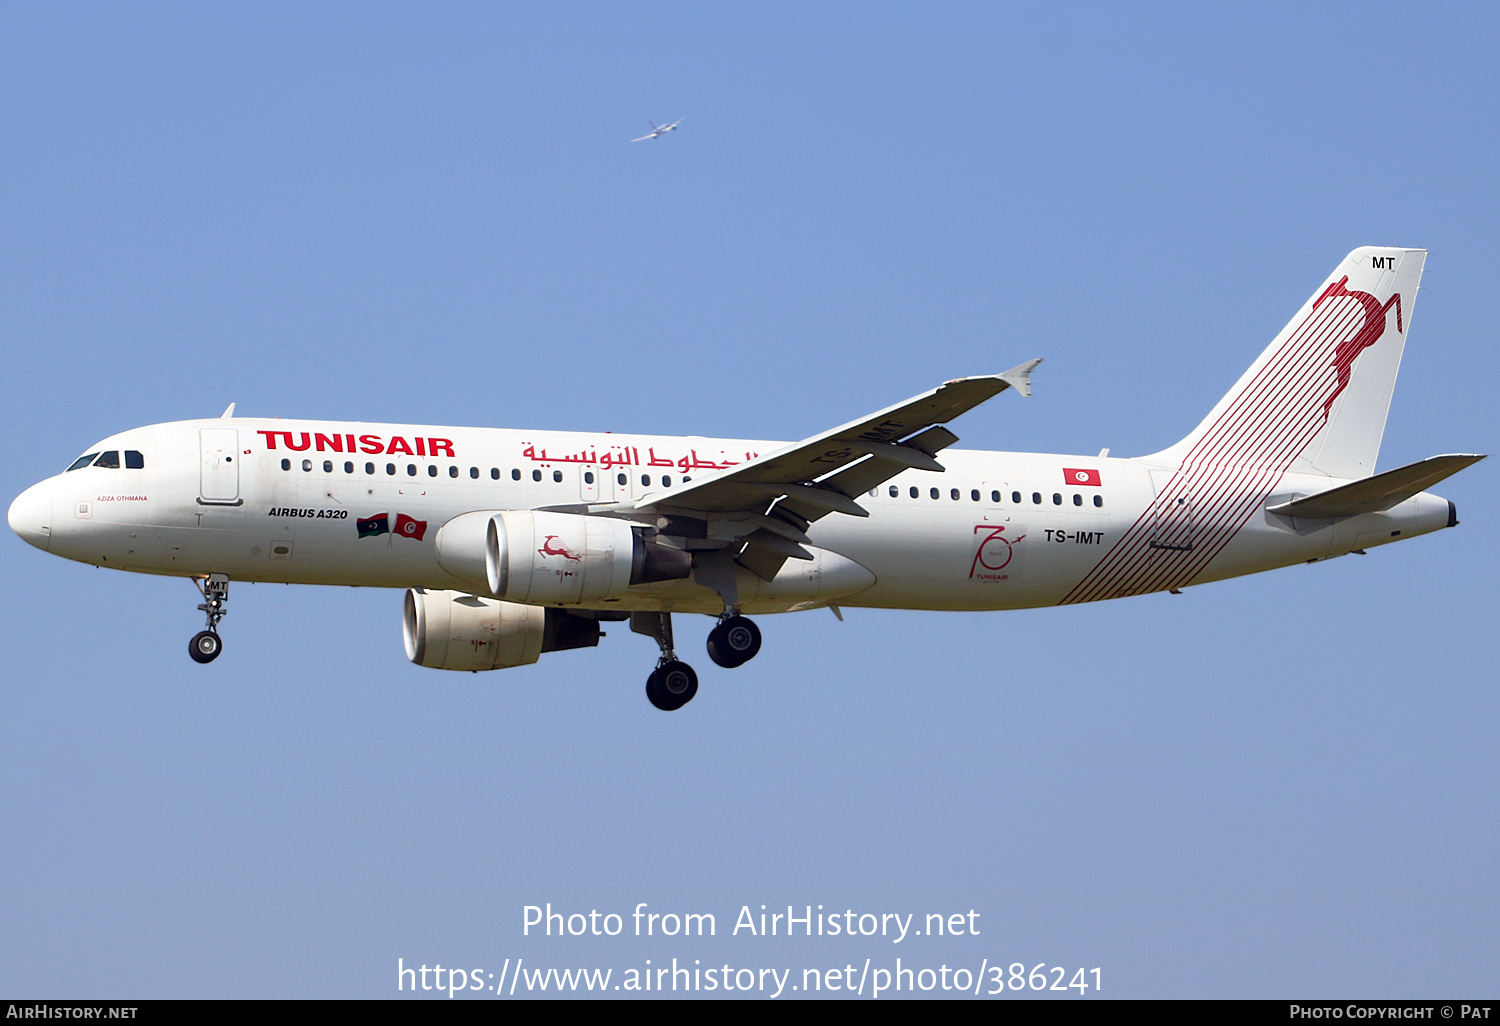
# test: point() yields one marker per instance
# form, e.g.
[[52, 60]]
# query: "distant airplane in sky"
[[657, 131], [515, 543]]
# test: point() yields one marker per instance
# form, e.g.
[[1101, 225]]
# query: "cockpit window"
[[82, 461], [109, 460], [134, 460]]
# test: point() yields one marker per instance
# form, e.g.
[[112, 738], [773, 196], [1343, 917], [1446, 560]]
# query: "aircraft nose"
[[31, 516]]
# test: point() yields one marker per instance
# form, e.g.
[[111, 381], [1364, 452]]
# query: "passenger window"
[[474, 473], [914, 491], [621, 479], [134, 460], [307, 466], [515, 475], [557, 476], [328, 466], [1056, 499], [935, 493], [666, 482], [954, 495], [995, 498], [411, 470], [286, 464], [536, 475], [1036, 497], [390, 468], [1015, 497], [432, 470], [109, 460], [1098, 500], [588, 477], [369, 468], [895, 491], [82, 461], [974, 495], [348, 468], [494, 473], [645, 480]]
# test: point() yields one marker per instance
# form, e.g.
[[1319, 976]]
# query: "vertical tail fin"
[[1316, 399]]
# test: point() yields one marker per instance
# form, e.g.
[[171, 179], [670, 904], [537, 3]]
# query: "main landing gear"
[[734, 641], [672, 685], [206, 645]]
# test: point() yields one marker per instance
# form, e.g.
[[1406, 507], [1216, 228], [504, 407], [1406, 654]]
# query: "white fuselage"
[[282, 501]]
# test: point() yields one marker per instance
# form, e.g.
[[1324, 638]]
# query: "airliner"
[[510, 544], [657, 131]]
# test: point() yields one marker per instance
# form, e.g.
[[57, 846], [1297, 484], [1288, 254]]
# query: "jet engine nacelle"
[[453, 630], [558, 558], [555, 559]]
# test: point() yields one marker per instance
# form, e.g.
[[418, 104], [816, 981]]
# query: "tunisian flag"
[[406, 527], [1072, 476]]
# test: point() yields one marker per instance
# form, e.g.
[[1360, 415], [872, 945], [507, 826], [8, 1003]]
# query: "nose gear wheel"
[[205, 647]]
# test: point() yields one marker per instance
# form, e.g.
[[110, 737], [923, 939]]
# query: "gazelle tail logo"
[[1366, 336]]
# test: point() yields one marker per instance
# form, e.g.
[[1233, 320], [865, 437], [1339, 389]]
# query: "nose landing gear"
[[206, 645]]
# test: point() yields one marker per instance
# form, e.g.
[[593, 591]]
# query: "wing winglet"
[[1019, 376]]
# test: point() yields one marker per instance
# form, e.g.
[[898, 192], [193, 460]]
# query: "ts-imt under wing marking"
[[512, 544]]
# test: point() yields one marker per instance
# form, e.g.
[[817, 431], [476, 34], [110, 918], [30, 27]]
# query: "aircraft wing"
[[777, 495]]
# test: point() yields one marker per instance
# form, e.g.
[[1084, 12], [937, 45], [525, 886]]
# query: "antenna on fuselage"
[[228, 412]]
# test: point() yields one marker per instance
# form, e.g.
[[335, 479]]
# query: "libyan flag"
[[370, 526], [409, 528]]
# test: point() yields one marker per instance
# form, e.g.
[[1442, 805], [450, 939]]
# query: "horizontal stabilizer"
[[1374, 494]]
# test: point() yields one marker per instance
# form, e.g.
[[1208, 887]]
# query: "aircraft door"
[[219, 472], [1172, 511], [596, 484]]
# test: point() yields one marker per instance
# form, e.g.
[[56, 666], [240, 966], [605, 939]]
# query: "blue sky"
[[1276, 786]]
